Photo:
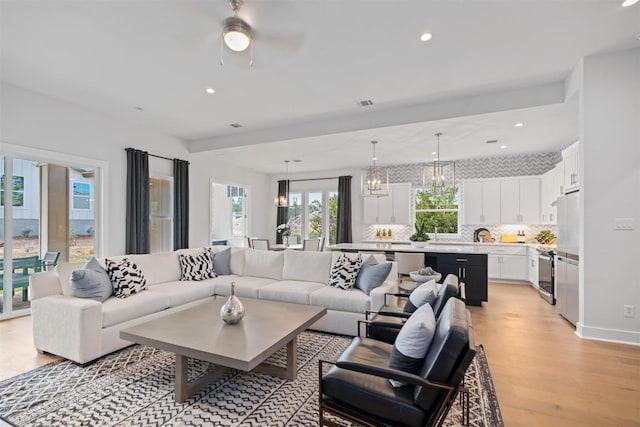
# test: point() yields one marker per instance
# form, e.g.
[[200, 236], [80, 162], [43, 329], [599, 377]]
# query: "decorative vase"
[[233, 310]]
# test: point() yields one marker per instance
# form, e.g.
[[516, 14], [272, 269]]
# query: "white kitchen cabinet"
[[547, 197], [507, 263], [570, 160], [392, 209], [520, 201], [533, 267], [558, 176], [481, 202]]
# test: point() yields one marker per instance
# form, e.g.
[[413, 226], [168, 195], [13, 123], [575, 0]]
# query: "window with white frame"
[[438, 210], [313, 214], [81, 195], [160, 214], [17, 186], [236, 196]]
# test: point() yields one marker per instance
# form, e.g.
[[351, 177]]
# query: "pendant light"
[[438, 175], [374, 182], [283, 201]]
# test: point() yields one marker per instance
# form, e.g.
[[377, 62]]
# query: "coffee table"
[[199, 333]]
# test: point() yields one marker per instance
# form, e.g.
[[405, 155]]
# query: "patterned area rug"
[[134, 387]]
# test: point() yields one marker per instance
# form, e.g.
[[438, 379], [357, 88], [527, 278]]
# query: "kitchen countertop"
[[442, 247]]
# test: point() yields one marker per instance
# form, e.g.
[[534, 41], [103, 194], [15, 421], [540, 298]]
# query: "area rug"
[[134, 387]]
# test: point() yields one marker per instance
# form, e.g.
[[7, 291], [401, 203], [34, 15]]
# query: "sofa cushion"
[[372, 274], [182, 292], [157, 268], [307, 265], [413, 341], [289, 291], [118, 310], [237, 261], [246, 286], [196, 267], [353, 301], [266, 264], [126, 277], [344, 272], [92, 281]]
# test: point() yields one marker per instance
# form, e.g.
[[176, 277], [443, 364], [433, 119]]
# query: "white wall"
[[31, 119], [610, 188]]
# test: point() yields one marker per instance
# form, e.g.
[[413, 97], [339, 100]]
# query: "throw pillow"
[[197, 267], [423, 294], [222, 262], [413, 341], [126, 277], [344, 272], [372, 275], [92, 282]]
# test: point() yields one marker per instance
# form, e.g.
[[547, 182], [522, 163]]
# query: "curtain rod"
[[155, 155], [315, 179]]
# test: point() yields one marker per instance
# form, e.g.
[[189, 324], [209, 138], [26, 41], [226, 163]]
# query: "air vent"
[[365, 103], [492, 141], [235, 125]]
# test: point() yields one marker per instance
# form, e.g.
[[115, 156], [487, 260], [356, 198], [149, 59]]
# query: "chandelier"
[[438, 175], [374, 182]]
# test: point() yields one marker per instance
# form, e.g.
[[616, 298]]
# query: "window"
[[236, 195], [160, 214], [315, 215], [81, 195], [18, 191], [295, 215], [438, 210], [333, 216]]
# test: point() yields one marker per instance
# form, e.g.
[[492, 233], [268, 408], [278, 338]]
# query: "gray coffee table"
[[199, 333]]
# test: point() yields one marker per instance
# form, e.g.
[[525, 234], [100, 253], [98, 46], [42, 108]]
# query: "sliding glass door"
[[47, 217]]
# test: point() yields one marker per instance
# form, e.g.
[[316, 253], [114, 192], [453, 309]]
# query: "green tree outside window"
[[438, 210]]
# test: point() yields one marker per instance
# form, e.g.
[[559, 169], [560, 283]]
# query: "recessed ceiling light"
[[433, 153], [503, 146], [235, 125], [519, 125], [139, 108], [210, 90], [627, 3], [427, 36]]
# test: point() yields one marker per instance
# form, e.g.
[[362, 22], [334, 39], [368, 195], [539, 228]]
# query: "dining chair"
[[261, 244], [50, 259], [311, 244]]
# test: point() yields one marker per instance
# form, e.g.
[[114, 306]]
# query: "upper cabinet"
[[520, 201], [481, 202], [570, 160], [392, 209], [548, 195]]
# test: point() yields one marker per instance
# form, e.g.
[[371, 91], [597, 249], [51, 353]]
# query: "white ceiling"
[[313, 59]]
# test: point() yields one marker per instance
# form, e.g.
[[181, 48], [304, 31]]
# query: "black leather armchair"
[[357, 388], [385, 325]]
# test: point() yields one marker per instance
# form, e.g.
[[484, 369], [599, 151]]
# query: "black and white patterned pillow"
[[197, 267], [127, 279], [344, 272]]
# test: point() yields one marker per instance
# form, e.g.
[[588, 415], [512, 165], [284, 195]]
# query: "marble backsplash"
[[402, 232]]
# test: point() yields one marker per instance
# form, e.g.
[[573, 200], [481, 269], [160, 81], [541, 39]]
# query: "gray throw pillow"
[[91, 282], [427, 293], [372, 275], [222, 262], [413, 342]]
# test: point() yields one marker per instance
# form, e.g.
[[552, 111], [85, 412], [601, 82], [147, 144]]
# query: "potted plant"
[[420, 238]]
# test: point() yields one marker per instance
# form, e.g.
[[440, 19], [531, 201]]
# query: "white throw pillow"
[[423, 294], [413, 342]]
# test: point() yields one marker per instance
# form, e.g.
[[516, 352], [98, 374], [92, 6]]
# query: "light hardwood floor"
[[544, 374]]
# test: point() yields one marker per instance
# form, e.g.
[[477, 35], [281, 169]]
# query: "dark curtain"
[[137, 214], [180, 204], [283, 213], [343, 227]]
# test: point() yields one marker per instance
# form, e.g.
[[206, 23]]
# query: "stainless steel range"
[[546, 275]]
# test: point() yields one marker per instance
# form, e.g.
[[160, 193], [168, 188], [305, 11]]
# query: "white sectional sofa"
[[83, 329]]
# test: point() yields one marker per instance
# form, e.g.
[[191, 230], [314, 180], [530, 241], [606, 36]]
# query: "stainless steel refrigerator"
[[568, 260]]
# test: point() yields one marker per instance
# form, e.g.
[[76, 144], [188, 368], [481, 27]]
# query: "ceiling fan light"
[[236, 34]]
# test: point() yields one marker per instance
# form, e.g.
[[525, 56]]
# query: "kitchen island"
[[466, 262]]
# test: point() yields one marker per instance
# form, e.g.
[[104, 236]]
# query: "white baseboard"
[[609, 335]]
